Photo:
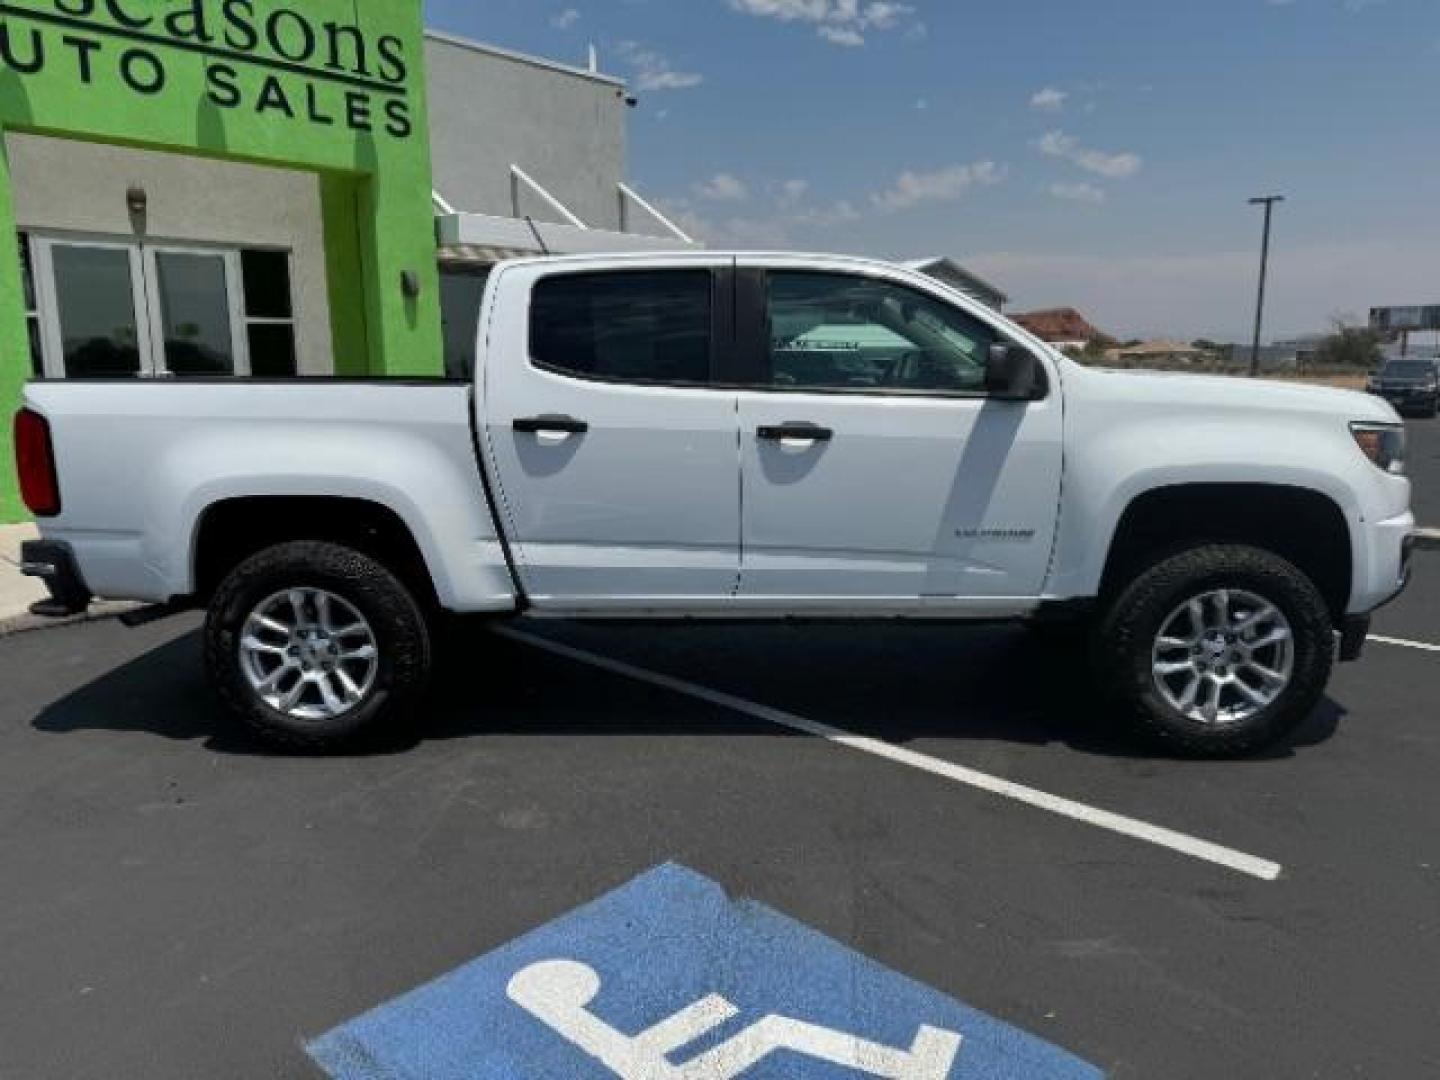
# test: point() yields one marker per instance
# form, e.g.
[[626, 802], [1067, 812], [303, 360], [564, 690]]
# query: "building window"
[[462, 286], [117, 308], [269, 313], [32, 307]]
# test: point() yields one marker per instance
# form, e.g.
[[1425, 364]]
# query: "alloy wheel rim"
[[1223, 656], [309, 654]]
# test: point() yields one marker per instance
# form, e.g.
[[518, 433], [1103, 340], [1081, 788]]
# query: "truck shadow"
[[901, 684]]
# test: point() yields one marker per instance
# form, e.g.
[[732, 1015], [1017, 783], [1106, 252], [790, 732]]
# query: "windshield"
[[1407, 369]]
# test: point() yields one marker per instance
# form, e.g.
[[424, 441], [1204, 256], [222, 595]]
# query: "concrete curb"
[[27, 623]]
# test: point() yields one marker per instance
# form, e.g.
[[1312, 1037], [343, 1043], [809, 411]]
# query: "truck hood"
[[1231, 393]]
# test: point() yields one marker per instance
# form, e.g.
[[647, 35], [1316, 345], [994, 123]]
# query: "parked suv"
[[1412, 386]]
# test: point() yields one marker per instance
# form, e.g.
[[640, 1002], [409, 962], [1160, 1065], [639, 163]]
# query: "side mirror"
[[1013, 374]]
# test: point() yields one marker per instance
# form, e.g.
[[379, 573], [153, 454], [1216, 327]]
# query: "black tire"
[[1128, 630], [398, 623]]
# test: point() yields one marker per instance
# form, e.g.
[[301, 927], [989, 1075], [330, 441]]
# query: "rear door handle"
[[795, 429], [550, 424]]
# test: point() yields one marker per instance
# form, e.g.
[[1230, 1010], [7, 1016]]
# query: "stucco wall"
[[61, 184], [489, 110]]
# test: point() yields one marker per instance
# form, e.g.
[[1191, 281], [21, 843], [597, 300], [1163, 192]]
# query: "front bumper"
[[1383, 551], [1396, 545], [1403, 399], [54, 563]]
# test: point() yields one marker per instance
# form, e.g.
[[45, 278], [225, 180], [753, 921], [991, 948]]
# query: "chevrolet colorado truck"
[[733, 436]]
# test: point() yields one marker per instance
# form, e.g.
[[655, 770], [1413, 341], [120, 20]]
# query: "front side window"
[[837, 332], [624, 326]]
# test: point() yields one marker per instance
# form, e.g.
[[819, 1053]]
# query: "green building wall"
[[336, 87]]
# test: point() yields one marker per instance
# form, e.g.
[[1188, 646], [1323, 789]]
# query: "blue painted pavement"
[[667, 978]]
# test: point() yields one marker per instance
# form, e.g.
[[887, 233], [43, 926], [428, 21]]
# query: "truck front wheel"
[[313, 644], [1217, 651]]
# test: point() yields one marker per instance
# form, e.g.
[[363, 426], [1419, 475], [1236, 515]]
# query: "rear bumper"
[[53, 562]]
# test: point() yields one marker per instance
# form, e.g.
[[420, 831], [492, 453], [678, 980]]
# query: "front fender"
[[1107, 471]]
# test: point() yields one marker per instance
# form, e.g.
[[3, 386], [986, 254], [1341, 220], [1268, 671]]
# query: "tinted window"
[[269, 313], [1408, 369], [267, 284], [32, 314], [272, 350], [642, 327], [95, 291], [837, 332], [462, 288], [195, 313]]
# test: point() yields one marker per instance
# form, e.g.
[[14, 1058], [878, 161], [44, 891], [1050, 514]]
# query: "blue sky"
[[1089, 152]]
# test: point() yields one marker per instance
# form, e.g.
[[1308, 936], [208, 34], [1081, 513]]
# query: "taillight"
[[35, 459]]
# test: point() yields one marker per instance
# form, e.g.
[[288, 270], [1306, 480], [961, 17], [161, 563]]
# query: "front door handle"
[[550, 424], [795, 429]]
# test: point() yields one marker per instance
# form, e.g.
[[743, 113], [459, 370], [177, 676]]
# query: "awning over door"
[[486, 238]]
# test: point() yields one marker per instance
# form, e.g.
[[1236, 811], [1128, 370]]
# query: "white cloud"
[[653, 71], [1049, 99], [722, 187], [564, 20], [773, 227], [835, 213], [840, 22], [847, 36], [1081, 192], [792, 191], [1114, 166], [912, 188]]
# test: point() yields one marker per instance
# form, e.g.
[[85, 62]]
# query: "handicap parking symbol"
[[668, 978]]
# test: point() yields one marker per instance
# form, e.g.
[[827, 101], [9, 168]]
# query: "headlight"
[[1383, 444]]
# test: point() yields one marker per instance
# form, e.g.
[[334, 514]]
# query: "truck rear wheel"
[[1217, 651], [313, 644]]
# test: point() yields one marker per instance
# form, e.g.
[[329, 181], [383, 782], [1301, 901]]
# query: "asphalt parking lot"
[[1425, 469], [178, 902]]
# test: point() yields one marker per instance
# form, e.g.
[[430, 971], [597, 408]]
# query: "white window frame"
[[47, 301], [234, 300], [292, 321], [32, 306], [144, 276]]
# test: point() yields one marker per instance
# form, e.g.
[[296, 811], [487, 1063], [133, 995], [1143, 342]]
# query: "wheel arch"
[[229, 531], [1302, 525]]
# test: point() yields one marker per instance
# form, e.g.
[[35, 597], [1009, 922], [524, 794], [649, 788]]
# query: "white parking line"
[[1263, 869], [1423, 646]]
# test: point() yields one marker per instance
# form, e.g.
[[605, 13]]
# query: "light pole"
[[1267, 201]]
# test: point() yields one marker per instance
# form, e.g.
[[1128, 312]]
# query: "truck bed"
[[140, 461]]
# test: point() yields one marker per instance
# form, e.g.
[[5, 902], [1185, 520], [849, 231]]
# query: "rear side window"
[[626, 326]]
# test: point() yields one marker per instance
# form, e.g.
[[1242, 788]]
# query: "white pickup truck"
[[720, 436]]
